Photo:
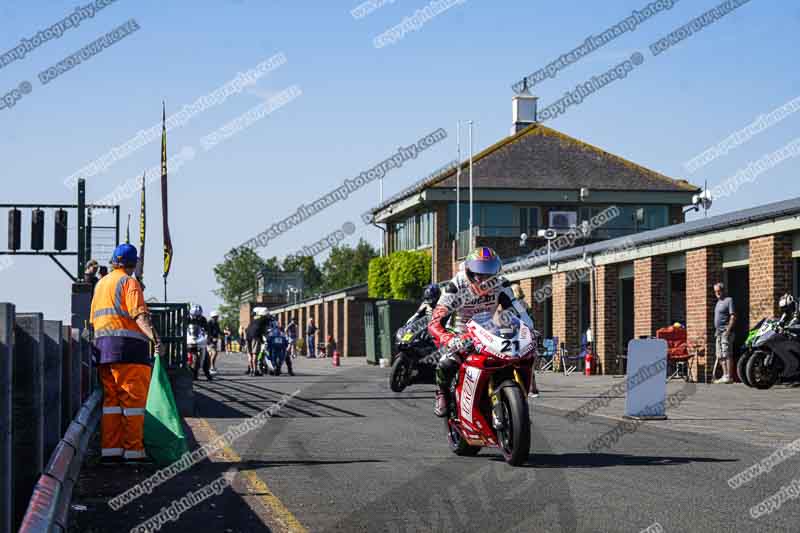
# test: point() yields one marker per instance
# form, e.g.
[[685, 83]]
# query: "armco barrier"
[[48, 509]]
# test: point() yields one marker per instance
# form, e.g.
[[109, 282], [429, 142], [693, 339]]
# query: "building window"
[[529, 220], [414, 232]]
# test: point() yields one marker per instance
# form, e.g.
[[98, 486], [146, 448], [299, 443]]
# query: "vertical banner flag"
[[140, 264], [167, 239]]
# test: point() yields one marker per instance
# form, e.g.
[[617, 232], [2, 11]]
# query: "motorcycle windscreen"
[[504, 341]]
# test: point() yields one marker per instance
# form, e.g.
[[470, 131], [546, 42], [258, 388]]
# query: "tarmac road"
[[347, 454]]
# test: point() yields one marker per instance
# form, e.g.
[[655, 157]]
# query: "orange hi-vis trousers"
[[125, 387]]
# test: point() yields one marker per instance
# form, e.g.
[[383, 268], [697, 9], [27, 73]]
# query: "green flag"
[[164, 439]]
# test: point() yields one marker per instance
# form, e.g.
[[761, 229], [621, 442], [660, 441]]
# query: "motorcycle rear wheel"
[[515, 439], [758, 374], [401, 369]]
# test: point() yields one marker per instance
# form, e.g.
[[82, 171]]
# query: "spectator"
[[213, 340], [242, 339], [291, 332], [103, 271], [311, 332], [90, 274], [724, 320], [519, 295], [226, 339]]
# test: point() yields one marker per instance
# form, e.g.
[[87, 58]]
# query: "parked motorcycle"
[[490, 406], [776, 352], [764, 325], [416, 359]]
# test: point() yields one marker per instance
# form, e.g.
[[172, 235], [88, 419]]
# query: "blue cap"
[[124, 255]]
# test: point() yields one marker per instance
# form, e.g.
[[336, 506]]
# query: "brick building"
[[534, 179], [639, 283], [339, 314]]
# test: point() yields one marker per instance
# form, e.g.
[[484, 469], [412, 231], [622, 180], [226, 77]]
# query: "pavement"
[[347, 454]]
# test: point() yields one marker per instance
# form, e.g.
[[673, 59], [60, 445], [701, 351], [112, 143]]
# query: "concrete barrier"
[[28, 412], [6, 442], [53, 357]]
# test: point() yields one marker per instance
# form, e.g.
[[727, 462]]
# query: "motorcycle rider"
[[214, 333], [196, 318], [429, 299], [476, 288]]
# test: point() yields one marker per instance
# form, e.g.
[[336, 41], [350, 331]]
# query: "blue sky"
[[358, 104]]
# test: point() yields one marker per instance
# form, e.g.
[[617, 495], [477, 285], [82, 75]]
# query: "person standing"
[[123, 332], [196, 318], [255, 337], [724, 320], [214, 338], [226, 344], [242, 339], [311, 333], [291, 332], [520, 296], [90, 274]]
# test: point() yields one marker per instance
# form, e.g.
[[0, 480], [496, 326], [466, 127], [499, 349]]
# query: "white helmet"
[[260, 311], [214, 314], [196, 311]]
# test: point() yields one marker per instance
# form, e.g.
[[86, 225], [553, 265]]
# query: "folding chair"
[[569, 363], [546, 358]]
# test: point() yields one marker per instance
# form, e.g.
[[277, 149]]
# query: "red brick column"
[[565, 314], [703, 269], [442, 246], [327, 318], [770, 275], [337, 322], [538, 300], [649, 295], [606, 317], [302, 317]]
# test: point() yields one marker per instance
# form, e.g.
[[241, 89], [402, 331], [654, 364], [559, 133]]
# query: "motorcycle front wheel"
[[515, 437], [401, 371], [759, 374], [741, 367]]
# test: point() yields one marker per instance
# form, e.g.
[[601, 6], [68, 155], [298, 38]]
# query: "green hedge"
[[378, 278], [402, 275]]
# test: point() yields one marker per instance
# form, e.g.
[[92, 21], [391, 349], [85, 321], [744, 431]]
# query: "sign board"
[[646, 381]]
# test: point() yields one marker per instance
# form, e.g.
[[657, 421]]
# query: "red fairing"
[[436, 327]]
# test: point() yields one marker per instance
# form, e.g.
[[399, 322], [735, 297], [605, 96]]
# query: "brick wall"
[[770, 274], [606, 318], [565, 316], [354, 344], [649, 295], [443, 247], [703, 269], [337, 322]]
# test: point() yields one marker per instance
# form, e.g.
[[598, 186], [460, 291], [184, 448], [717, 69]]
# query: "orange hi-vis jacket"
[[118, 300]]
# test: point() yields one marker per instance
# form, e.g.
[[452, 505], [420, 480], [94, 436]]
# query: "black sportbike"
[[415, 361]]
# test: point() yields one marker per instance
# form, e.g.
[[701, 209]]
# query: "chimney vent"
[[523, 112]]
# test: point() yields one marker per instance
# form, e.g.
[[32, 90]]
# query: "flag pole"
[[470, 183], [458, 183]]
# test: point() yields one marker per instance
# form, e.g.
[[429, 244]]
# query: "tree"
[[347, 266], [236, 276]]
